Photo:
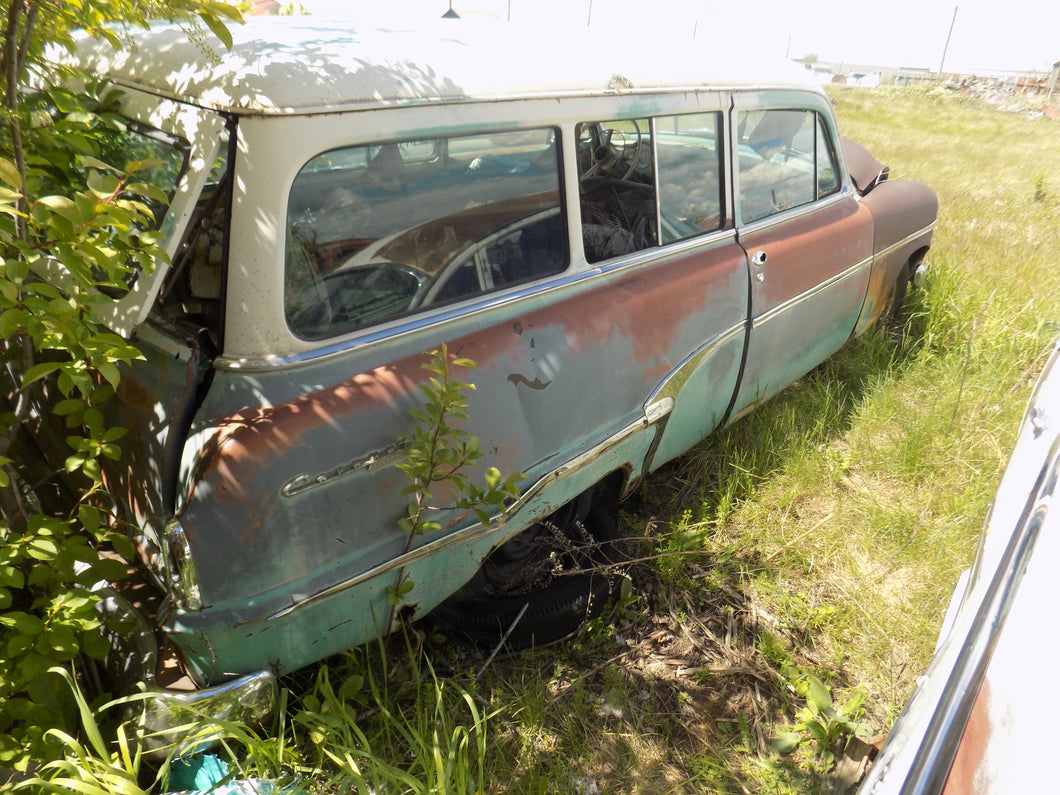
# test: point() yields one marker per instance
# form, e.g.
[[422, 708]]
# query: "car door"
[[808, 244]]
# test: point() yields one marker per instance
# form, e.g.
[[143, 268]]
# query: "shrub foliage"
[[74, 228]]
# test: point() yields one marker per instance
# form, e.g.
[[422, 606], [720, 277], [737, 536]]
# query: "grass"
[[820, 537]]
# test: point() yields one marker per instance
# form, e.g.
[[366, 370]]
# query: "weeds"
[[831, 726], [427, 735]]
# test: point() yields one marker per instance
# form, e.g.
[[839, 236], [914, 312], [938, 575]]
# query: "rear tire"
[[891, 314], [564, 582]]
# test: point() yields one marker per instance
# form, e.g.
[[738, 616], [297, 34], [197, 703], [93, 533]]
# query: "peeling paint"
[[537, 383]]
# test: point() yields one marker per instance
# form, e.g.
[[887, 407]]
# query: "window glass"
[[689, 163], [784, 160], [617, 188], [378, 232], [827, 175]]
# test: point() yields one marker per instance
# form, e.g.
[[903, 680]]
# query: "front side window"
[[617, 188], [378, 232], [785, 160]]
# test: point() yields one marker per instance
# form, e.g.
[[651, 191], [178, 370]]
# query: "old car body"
[[633, 252], [979, 720]]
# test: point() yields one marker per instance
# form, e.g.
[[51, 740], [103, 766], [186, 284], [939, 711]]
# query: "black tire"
[[891, 314], [555, 608]]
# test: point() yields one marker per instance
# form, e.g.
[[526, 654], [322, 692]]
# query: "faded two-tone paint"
[[552, 382]]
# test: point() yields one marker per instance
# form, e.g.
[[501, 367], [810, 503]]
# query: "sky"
[[987, 35]]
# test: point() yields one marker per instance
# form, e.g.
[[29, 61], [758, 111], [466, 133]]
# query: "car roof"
[[284, 65]]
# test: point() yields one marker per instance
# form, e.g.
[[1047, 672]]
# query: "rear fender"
[[903, 214]]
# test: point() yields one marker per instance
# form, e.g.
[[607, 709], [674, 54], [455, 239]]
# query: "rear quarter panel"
[[903, 214]]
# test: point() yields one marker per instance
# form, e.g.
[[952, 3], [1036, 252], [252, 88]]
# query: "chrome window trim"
[[479, 305], [653, 412], [794, 212]]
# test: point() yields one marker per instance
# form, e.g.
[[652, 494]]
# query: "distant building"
[[1028, 83]]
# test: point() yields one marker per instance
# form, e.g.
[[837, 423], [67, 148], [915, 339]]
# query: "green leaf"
[[142, 165], [9, 174], [89, 517], [819, 732], [22, 623], [11, 320], [42, 548], [103, 185], [218, 28], [114, 434], [64, 206], [12, 577], [818, 697], [123, 545], [109, 372], [39, 574], [350, 687], [91, 469], [94, 645], [785, 743], [68, 407], [109, 569], [93, 162]]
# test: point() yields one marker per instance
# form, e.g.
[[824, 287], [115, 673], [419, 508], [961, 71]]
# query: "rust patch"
[[973, 747]]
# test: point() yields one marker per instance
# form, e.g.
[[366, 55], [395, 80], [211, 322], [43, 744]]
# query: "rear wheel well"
[[542, 585]]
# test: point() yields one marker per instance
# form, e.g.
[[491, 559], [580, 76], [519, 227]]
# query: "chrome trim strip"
[[489, 303], [784, 307], [906, 240], [374, 460], [652, 414], [941, 737], [672, 385], [785, 216]]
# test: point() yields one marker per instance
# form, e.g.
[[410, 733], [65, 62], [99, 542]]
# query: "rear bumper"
[[135, 660]]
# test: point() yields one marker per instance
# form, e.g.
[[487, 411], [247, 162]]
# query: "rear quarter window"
[[375, 233]]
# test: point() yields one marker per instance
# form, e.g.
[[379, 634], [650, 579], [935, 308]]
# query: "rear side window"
[[689, 164], [375, 233], [616, 188], [785, 160]]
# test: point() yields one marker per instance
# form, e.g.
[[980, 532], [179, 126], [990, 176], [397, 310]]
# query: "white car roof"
[[283, 65]]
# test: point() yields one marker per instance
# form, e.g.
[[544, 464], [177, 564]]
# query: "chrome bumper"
[[133, 661]]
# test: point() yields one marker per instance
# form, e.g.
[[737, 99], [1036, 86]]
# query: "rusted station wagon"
[[634, 251]]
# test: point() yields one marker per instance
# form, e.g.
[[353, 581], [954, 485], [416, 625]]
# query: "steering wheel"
[[604, 155]]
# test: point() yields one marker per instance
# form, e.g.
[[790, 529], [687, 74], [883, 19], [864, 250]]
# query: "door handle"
[[759, 258]]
